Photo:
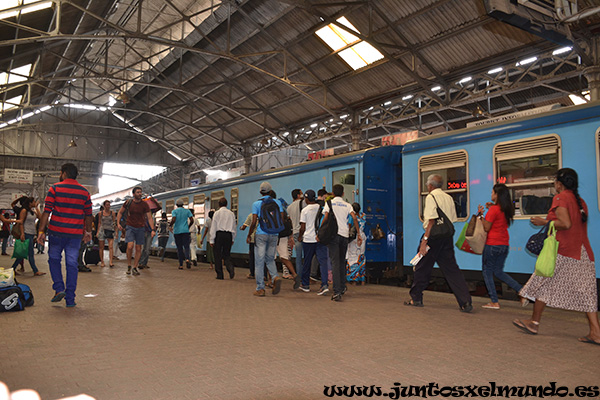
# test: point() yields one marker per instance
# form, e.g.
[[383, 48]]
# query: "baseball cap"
[[310, 194], [179, 202], [265, 188]]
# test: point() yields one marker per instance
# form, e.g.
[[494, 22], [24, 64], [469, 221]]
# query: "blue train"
[[389, 182]]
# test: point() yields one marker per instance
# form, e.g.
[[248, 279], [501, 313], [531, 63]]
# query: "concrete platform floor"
[[171, 334]]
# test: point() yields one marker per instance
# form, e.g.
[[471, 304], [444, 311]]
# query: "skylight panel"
[[359, 55], [12, 103], [15, 75], [8, 4]]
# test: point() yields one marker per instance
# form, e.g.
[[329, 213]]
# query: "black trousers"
[[337, 254], [442, 252], [222, 251], [251, 259]]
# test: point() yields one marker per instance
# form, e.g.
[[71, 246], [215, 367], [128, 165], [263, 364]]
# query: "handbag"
[[21, 249], [536, 241], [462, 243], [442, 228], [546, 261], [7, 277], [477, 238]]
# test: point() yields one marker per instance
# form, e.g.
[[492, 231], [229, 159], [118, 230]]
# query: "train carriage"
[[370, 177], [524, 154]]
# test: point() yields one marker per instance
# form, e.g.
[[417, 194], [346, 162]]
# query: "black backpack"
[[12, 299], [327, 230], [270, 217], [288, 229], [123, 220]]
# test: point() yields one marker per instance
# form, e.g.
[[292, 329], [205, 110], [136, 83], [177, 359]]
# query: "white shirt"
[[446, 203], [308, 215], [341, 209], [222, 220], [293, 211]]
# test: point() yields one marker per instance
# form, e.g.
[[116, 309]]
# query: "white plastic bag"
[[7, 277]]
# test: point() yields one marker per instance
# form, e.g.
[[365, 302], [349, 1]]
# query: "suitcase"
[[92, 256]]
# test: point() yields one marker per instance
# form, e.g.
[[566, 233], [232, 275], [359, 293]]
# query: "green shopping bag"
[[462, 243], [21, 249], [546, 261]]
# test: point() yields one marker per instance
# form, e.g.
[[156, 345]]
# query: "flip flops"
[[413, 303], [521, 325], [587, 339]]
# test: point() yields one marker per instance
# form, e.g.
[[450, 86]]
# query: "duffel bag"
[[27, 294], [11, 299]]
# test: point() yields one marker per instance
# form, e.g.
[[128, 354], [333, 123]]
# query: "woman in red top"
[[573, 286], [496, 222]]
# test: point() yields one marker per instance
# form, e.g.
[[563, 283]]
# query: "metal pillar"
[[355, 132], [592, 74]]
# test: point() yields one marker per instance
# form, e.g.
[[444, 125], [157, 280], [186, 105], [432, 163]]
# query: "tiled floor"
[[171, 334]]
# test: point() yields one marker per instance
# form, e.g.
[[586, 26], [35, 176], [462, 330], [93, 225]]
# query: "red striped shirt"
[[69, 203]]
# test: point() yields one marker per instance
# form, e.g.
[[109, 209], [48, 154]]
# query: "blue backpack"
[[270, 217], [11, 299]]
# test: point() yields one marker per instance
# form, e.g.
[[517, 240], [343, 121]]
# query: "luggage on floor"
[[12, 299], [92, 256], [27, 294]]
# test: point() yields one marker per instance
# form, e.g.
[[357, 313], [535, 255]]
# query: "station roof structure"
[[194, 84]]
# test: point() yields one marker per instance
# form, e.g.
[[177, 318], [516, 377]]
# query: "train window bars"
[[527, 167], [214, 199], [199, 200], [452, 166], [234, 202], [170, 207]]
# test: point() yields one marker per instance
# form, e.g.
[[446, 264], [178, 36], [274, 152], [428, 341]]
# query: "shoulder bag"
[[442, 228]]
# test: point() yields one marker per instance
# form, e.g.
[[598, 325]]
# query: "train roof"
[[550, 118], [273, 173]]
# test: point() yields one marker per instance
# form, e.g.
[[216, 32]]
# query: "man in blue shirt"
[[265, 244], [181, 218]]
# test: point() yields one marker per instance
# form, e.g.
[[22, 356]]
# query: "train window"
[[199, 200], [453, 169], [527, 167], [345, 177], [214, 199], [170, 207], [234, 202]]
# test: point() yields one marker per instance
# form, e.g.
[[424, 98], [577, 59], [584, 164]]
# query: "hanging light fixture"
[[72, 143], [478, 112]]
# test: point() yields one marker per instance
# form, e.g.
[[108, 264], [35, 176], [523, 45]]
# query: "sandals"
[[491, 306], [523, 326], [413, 303], [587, 339], [39, 273]]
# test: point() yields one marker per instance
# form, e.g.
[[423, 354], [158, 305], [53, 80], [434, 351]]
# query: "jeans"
[[264, 252], [146, 249], [337, 254], [493, 264], [29, 254], [162, 245], [299, 251], [70, 245], [182, 241], [4, 244], [309, 250]]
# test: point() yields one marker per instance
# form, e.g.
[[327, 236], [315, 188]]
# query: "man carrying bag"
[[436, 246]]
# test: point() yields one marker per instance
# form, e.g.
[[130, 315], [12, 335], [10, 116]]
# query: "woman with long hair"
[[26, 223], [573, 285], [355, 254], [496, 222], [106, 232]]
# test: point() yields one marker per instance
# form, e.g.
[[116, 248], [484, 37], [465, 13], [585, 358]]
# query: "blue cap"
[[310, 195]]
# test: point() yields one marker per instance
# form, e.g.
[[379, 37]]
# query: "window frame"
[[199, 200], [171, 204], [213, 197], [435, 167], [522, 154], [234, 206]]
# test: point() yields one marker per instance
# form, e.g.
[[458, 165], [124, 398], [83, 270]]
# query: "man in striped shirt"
[[71, 209]]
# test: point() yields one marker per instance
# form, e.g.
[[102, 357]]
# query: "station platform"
[[182, 334]]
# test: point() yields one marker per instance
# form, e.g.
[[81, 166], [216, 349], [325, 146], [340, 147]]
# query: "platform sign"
[[317, 155], [21, 176], [399, 138]]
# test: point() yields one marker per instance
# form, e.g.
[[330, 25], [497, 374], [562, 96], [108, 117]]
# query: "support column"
[[247, 160], [355, 132], [592, 74]]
